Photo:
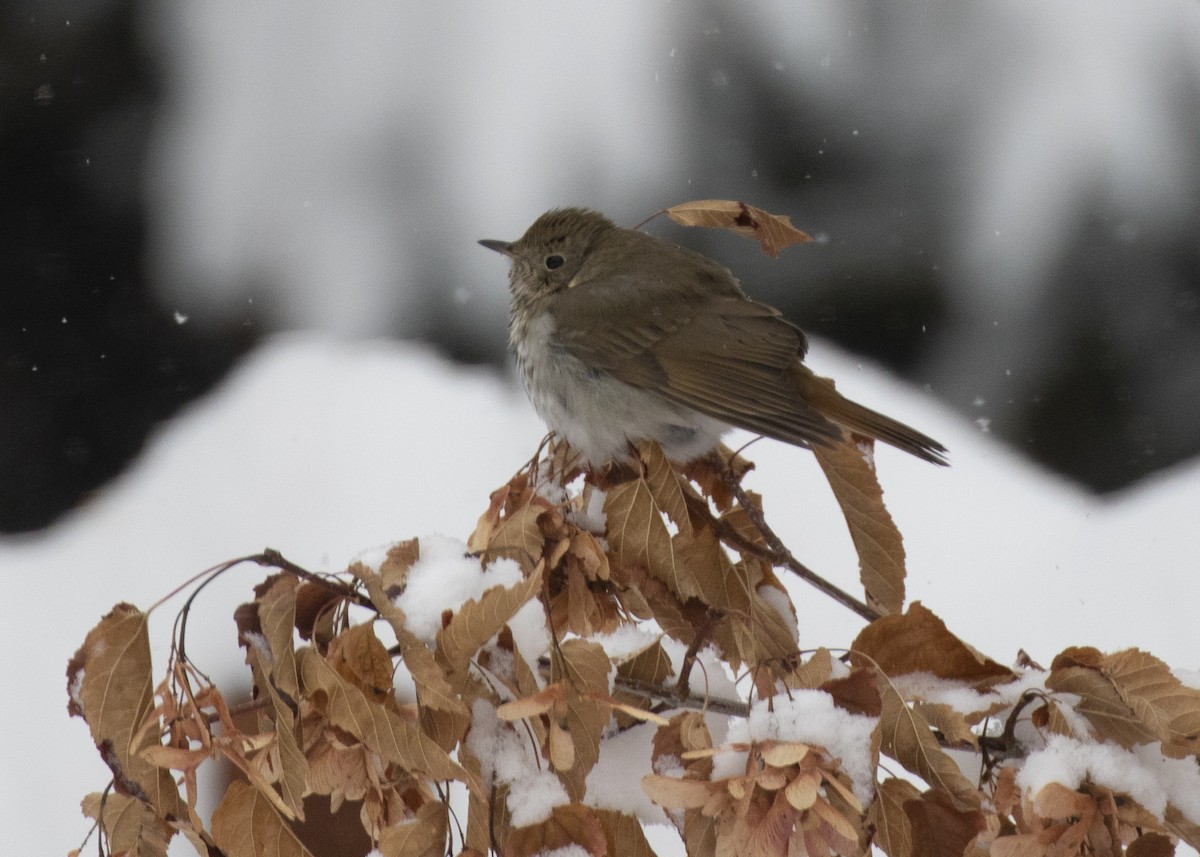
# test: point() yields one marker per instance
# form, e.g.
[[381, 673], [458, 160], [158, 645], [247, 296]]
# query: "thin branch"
[[273, 558], [776, 551]]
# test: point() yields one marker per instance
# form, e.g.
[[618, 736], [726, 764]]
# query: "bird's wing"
[[725, 356]]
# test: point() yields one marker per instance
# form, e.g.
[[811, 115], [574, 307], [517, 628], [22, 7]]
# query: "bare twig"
[[777, 551]]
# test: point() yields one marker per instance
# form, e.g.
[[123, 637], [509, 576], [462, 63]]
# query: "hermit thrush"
[[623, 337]]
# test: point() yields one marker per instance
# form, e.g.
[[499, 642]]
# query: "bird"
[[623, 337]]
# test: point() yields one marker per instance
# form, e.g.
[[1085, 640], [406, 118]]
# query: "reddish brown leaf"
[[893, 831], [918, 641], [939, 827], [1151, 845]]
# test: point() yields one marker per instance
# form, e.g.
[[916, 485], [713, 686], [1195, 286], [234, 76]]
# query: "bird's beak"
[[504, 247]]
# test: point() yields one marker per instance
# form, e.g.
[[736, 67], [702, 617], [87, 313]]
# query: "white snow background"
[[324, 449]]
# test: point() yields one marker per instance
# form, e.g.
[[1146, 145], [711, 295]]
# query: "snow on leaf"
[[572, 824], [773, 232], [477, 621], [1132, 697], [433, 690]]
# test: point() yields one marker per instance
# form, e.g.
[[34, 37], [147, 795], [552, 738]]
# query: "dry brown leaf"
[[247, 825], [907, 738], [1057, 802], [314, 611], [361, 659], [434, 692], [639, 537], [422, 836], [652, 665], [773, 232], [285, 763], [277, 618], [686, 732], [850, 470], [1151, 844], [624, 833], [893, 831], [812, 673], [711, 576], [1179, 825], [586, 665], [699, 833], [479, 810], [519, 537], [956, 732], [380, 729], [490, 519], [674, 793], [110, 686], [573, 824], [940, 827], [918, 641], [1019, 845], [667, 486], [131, 826], [857, 693], [1131, 697], [477, 621], [292, 771], [393, 571]]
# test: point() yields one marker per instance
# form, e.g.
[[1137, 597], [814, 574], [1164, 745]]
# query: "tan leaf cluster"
[[683, 551], [1130, 697], [585, 597], [773, 232], [792, 800], [692, 587], [1059, 821]]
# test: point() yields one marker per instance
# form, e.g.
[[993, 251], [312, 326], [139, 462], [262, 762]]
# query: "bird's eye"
[[553, 262]]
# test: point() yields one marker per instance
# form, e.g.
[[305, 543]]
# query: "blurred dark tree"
[[89, 364], [865, 151]]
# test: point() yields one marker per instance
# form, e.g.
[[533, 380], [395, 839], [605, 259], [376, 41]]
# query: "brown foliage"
[[647, 582]]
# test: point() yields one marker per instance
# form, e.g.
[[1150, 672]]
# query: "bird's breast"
[[597, 414]]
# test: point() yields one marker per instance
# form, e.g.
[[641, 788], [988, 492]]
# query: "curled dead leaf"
[[773, 232]]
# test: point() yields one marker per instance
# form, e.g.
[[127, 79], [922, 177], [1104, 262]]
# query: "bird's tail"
[[851, 416]]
